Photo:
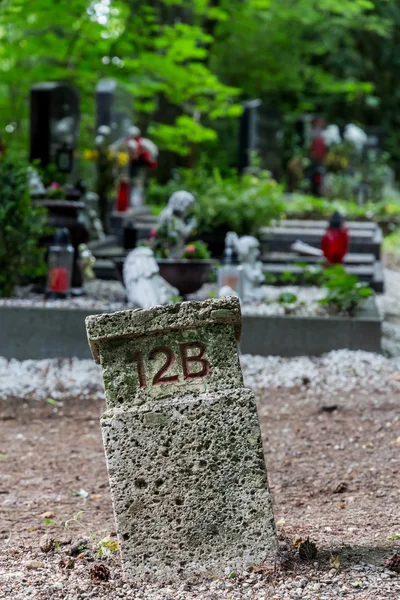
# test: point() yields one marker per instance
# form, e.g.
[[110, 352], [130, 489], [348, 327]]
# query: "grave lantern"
[[231, 273], [60, 263], [335, 241]]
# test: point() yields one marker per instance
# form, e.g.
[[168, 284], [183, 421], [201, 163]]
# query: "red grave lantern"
[[335, 241]]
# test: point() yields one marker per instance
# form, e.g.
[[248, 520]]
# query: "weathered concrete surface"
[[182, 441]]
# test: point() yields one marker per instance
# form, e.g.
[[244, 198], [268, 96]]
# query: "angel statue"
[[248, 250], [174, 226], [144, 285]]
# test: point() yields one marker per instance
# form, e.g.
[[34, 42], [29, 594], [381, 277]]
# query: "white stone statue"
[[248, 249], [144, 285], [173, 224], [36, 187]]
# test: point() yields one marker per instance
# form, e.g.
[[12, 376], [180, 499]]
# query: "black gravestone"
[[248, 133], [271, 140], [54, 124], [113, 108]]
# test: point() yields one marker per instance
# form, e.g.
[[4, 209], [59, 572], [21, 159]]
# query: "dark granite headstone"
[[54, 124], [271, 140], [113, 108]]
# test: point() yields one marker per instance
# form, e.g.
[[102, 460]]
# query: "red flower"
[[55, 185], [190, 249], [153, 233]]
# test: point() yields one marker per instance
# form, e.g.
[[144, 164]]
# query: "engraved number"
[[198, 358], [187, 360], [138, 358], [159, 377]]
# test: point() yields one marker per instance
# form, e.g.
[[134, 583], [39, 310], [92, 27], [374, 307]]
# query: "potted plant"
[[226, 203], [183, 265]]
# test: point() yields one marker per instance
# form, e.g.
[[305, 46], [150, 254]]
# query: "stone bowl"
[[188, 276]]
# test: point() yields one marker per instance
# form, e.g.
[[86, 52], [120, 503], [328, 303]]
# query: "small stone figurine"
[[248, 249], [144, 285], [36, 187], [173, 224]]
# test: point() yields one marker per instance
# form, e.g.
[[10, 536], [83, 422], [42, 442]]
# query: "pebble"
[[34, 564]]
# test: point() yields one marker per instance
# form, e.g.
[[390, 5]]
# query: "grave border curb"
[[33, 333]]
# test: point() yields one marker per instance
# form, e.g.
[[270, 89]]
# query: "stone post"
[[182, 441]]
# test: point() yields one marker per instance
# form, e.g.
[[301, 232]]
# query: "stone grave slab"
[[182, 441], [364, 238], [364, 266]]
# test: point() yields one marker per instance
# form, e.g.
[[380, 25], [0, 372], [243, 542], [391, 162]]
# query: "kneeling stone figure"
[[144, 285]]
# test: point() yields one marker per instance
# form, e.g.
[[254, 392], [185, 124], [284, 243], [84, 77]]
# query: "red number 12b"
[[160, 378]]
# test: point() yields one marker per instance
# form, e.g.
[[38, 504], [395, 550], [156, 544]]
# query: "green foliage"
[[391, 243], [21, 226], [270, 278], [345, 292], [288, 277], [166, 238], [196, 250], [158, 51], [54, 193], [234, 203], [289, 52], [50, 174], [311, 274], [107, 547], [287, 298], [310, 207]]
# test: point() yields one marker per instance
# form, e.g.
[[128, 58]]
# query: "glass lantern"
[[230, 273], [60, 263]]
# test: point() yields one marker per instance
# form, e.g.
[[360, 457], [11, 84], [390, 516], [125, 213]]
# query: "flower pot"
[[188, 276]]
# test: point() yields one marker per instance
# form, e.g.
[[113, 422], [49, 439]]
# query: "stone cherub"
[[248, 250], [144, 285], [173, 223]]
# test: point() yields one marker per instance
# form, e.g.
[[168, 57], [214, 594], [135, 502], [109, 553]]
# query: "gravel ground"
[[331, 434]]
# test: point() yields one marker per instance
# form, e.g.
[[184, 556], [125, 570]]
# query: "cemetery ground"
[[331, 435]]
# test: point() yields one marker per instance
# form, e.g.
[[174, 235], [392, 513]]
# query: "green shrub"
[[21, 225], [196, 250], [235, 203], [345, 293], [301, 205]]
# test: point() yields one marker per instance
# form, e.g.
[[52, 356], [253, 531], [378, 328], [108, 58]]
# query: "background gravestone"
[[113, 108], [182, 441], [248, 132], [271, 140], [54, 125]]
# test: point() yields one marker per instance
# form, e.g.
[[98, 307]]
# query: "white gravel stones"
[[338, 371], [100, 295], [57, 379]]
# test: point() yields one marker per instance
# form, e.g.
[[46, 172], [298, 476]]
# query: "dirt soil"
[[333, 467]]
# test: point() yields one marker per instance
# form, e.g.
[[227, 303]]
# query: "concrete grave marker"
[[182, 441]]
